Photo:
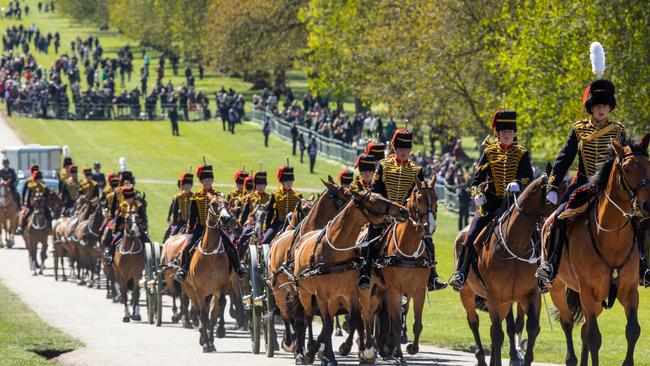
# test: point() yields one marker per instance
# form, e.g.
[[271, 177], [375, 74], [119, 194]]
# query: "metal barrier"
[[331, 148]]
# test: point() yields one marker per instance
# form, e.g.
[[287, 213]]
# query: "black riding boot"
[[465, 258], [547, 271], [233, 257], [434, 283], [364, 272], [643, 237], [109, 254], [185, 265]]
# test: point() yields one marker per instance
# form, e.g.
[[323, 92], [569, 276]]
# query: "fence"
[[331, 148]]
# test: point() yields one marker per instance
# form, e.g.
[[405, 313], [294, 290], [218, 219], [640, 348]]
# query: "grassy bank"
[[24, 338]]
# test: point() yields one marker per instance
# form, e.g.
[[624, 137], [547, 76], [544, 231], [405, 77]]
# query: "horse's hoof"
[[207, 348], [400, 362], [300, 359], [404, 339], [221, 331], [34, 273], [516, 363], [368, 356], [126, 319], [339, 333], [412, 348], [212, 348], [137, 318], [188, 325], [309, 358], [175, 319], [289, 348], [344, 349]]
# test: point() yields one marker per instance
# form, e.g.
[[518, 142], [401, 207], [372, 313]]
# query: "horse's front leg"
[[468, 300], [496, 330], [125, 301], [135, 301], [532, 310], [629, 299], [559, 297], [418, 306], [511, 329]]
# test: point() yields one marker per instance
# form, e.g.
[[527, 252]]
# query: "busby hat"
[[402, 139], [346, 177], [504, 120], [33, 168], [204, 172], [87, 172], [285, 173], [113, 180], [259, 178], [5, 161], [365, 163], [67, 161], [600, 92], [97, 165], [72, 169], [187, 178], [37, 175], [240, 176], [248, 183], [126, 176], [377, 150], [128, 191]]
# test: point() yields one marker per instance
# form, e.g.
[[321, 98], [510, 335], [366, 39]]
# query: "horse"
[[600, 262], [209, 273], [37, 231], [280, 259], [405, 266], [327, 267], [59, 241], [89, 233], [506, 266], [128, 265], [171, 250], [9, 210]]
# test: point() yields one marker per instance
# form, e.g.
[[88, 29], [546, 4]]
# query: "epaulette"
[[580, 123]]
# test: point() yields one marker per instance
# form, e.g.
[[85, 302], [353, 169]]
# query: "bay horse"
[[600, 262], [59, 241], [506, 266], [89, 233], [405, 267], [171, 250], [327, 266], [128, 265], [9, 210], [209, 272], [37, 231], [281, 259]]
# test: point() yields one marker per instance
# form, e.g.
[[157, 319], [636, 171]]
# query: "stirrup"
[[545, 274], [457, 281], [436, 284], [645, 279], [180, 275], [364, 282]]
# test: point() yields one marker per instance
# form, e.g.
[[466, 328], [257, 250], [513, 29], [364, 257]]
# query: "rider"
[[8, 175], [129, 205], [283, 201], [63, 173], [590, 139], [198, 219], [89, 188], [376, 150], [257, 197], [32, 168], [71, 188], [395, 178], [504, 168], [248, 187], [238, 193], [346, 177], [98, 176], [179, 210], [366, 164], [35, 188]]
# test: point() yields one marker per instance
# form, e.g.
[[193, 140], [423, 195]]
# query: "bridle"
[[333, 194], [368, 211], [429, 213], [631, 192]]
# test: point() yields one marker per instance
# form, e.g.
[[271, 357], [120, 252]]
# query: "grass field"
[[157, 159], [24, 338]]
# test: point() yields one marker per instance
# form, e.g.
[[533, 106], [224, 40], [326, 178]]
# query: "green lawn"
[[23, 335]]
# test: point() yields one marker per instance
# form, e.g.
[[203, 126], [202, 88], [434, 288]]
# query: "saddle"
[[580, 200]]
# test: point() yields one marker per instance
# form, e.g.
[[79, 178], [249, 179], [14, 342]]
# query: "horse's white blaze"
[[432, 223]]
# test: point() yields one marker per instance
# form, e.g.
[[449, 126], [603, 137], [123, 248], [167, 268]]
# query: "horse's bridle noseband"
[[369, 211], [632, 192], [334, 196]]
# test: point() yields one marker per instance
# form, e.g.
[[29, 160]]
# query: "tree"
[[85, 10]]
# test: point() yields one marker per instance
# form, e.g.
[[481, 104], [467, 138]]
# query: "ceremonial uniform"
[[200, 204], [239, 193], [35, 188], [32, 169], [591, 142], [179, 210], [500, 169], [127, 207], [9, 175], [70, 189], [63, 172], [253, 199], [281, 204], [346, 178], [89, 188], [365, 163]]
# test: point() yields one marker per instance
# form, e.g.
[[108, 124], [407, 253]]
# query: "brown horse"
[[405, 267], [8, 215], [171, 250], [280, 262], [59, 241], [506, 265], [37, 231], [600, 262], [89, 233], [128, 265], [209, 273], [327, 267]]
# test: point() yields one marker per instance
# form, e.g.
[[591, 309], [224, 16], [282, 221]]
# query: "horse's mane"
[[599, 180]]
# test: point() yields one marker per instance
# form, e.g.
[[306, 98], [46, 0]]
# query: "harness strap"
[[332, 268], [395, 261]]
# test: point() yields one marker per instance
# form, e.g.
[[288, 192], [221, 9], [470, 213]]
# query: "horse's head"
[[377, 209], [131, 225], [633, 166], [218, 214], [423, 205], [337, 194], [532, 201]]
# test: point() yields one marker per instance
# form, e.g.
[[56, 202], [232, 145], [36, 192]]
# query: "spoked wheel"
[[256, 314], [270, 336], [158, 286], [148, 276]]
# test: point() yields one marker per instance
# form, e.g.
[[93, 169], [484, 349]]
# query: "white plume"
[[597, 56], [122, 161], [66, 150]]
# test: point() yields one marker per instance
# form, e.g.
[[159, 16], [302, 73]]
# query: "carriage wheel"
[[148, 275], [256, 315], [159, 283], [270, 335]]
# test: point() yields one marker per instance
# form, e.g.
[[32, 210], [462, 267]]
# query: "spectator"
[[172, 112], [267, 131], [294, 137], [463, 191], [312, 150], [301, 146]]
